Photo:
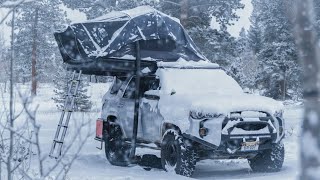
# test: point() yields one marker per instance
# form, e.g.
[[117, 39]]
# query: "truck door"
[[126, 109], [151, 119]]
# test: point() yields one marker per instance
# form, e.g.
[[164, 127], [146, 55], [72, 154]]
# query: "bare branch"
[[12, 7]]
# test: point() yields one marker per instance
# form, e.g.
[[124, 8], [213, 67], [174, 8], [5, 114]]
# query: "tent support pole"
[[137, 101]]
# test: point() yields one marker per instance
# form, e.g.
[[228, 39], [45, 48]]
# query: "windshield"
[[186, 81]]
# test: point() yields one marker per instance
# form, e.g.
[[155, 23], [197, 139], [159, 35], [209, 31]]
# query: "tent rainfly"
[[106, 45]]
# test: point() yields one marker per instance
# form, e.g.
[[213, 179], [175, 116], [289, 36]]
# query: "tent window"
[[158, 45]]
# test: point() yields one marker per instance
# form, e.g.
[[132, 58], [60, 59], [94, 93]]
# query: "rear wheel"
[[269, 161], [116, 150], [175, 156]]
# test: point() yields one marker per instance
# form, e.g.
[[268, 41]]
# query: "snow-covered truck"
[[192, 112], [167, 96]]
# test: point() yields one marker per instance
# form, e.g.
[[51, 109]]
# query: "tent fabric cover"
[[107, 43]]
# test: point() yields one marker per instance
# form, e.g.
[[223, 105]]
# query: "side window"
[[130, 91], [150, 83], [116, 86], [146, 84]]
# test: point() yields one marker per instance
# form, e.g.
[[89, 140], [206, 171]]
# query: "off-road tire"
[[116, 150], [175, 155], [269, 160]]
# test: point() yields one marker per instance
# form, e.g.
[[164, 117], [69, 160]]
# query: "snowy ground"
[[92, 163]]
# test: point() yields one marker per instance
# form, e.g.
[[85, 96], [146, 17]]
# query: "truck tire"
[[175, 156], [269, 161], [116, 150]]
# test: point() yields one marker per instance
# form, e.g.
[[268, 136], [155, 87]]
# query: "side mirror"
[[247, 90], [173, 92]]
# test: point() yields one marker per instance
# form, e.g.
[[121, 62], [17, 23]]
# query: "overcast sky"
[[76, 16], [244, 19]]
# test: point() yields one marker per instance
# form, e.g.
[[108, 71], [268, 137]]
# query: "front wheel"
[[269, 161], [175, 156], [117, 151]]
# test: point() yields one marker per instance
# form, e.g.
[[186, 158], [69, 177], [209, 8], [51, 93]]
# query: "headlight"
[[197, 115], [201, 115]]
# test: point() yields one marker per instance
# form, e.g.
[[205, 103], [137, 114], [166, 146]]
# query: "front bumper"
[[228, 137], [230, 147]]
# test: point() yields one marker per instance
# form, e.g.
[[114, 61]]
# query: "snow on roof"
[[161, 37], [182, 63]]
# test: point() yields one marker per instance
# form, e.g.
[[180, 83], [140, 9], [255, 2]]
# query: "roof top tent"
[[106, 45], [121, 43]]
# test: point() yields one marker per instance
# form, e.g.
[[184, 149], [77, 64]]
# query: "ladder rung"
[[58, 141], [67, 110], [71, 95], [56, 157], [62, 125]]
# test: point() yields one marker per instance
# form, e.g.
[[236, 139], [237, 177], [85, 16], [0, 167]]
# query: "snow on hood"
[[224, 104], [176, 108], [204, 88], [201, 78]]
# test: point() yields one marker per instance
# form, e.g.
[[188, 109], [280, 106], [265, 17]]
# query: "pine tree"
[[216, 44], [62, 83], [272, 41], [49, 62], [31, 31], [244, 67]]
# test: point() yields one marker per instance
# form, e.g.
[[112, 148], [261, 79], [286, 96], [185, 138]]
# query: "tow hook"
[[231, 151]]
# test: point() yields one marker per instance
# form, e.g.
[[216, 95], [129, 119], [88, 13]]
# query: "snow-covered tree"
[[200, 12], [62, 84], [272, 41], [244, 67], [216, 44], [34, 38]]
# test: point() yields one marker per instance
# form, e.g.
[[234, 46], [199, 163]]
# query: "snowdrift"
[[107, 44]]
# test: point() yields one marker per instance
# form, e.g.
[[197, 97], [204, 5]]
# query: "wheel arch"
[[110, 122], [169, 126]]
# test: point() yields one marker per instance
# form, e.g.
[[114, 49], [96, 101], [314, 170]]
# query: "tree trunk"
[[284, 90], [5, 85], [184, 12], [309, 55], [34, 56], [9, 160]]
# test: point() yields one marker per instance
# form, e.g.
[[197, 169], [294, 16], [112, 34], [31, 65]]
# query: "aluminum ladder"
[[68, 108]]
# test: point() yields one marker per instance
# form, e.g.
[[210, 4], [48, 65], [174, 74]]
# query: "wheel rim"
[[111, 149]]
